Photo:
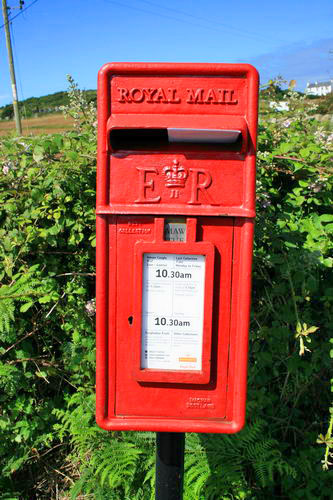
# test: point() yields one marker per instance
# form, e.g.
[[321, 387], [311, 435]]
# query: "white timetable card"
[[172, 311]]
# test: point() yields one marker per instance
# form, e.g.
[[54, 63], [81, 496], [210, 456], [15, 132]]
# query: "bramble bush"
[[50, 446], [47, 284]]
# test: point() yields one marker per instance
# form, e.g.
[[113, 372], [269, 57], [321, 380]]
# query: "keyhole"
[[130, 319]]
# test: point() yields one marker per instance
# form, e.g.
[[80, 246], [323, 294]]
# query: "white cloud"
[[302, 62]]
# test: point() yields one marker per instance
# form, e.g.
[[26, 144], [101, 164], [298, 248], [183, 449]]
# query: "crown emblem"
[[175, 177]]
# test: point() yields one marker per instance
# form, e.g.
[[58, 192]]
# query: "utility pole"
[[11, 68]]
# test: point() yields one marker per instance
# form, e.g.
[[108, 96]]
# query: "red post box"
[[175, 214]]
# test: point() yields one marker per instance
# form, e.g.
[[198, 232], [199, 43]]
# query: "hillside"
[[36, 106], [51, 103]]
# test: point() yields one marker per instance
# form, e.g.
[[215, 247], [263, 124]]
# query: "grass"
[[47, 124]]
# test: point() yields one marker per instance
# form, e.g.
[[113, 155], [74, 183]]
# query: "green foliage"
[[80, 107], [325, 104], [293, 285], [116, 463], [215, 464], [47, 428], [47, 198], [51, 103]]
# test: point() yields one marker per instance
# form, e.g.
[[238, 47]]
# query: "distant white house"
[[319, 88]]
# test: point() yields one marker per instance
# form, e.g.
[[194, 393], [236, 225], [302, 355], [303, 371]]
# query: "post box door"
[[154, 398]]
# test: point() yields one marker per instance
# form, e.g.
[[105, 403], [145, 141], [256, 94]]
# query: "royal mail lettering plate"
[[172, 311]]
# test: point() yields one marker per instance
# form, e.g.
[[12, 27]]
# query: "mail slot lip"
[[184, 124], [210, 136], [175, 139]]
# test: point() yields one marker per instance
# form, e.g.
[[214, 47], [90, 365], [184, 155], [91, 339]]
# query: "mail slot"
[[175, 213], [159, 139]]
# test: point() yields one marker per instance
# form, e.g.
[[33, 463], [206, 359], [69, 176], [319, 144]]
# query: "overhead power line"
[[21, 12], [214, 25]]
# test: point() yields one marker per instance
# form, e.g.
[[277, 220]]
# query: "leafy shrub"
[[47, 198], [47, 429], [325, 105]]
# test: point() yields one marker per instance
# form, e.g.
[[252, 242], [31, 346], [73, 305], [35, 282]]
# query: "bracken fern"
[[218, 465], [120, 463]]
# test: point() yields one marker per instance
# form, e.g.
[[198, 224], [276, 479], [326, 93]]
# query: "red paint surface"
[[215, 191]]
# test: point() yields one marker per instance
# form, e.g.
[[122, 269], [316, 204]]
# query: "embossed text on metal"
[[174, 96]]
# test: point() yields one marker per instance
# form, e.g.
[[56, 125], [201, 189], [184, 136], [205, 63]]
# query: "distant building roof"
[[319, 88], [319, 84]]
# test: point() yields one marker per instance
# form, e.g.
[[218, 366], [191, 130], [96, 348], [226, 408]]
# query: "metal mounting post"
[[169, 465]]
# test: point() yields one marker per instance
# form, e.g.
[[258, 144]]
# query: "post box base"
[[171, 425]]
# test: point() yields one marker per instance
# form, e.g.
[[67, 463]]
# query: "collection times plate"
[[172, 311]]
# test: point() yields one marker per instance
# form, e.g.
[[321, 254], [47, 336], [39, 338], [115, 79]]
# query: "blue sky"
[[56, 37]]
